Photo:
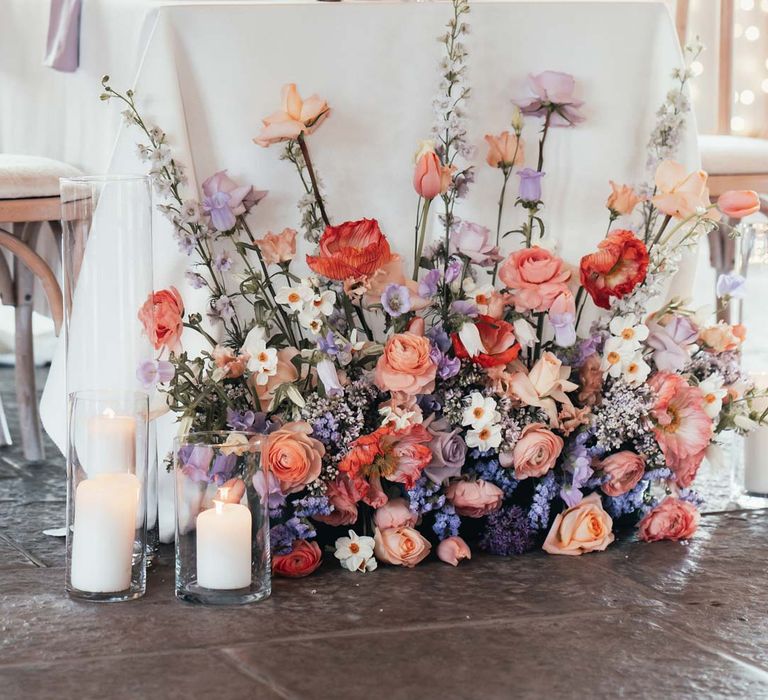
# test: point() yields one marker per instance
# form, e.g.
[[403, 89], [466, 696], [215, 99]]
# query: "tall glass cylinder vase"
[[107, 478], [222, 519]]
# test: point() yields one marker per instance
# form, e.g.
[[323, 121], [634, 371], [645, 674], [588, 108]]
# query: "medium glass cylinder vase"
[[107, 495], [222, 522]]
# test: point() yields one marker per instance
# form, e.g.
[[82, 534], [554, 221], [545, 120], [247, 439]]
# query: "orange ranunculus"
[[296, 116], [617, 267], [353, 249], [622, 199], [431, 177], [406, 365], [681, 194], [293, 456], [504, 150], [302, 560], [536, 276], [278, 248], [737, 204], [498, 339], [161, 315]]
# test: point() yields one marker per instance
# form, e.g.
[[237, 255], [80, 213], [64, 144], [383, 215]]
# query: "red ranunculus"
[[353, 249], [617, 267], [302, 560], [498, 340]]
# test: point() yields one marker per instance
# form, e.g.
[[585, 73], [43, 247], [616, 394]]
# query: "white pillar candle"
[[104, 533], [756, 444], [110, 446], [224, 547]]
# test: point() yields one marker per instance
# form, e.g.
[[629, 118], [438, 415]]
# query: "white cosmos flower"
[[294, 297], [714, 393], [617, 354], [488, 437], [636, 370], [481, 411], [628, 329], [356, 553]]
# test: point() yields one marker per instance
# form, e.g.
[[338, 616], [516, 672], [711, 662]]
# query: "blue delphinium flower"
[[543, 495]]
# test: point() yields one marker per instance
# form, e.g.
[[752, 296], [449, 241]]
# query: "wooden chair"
[[733, 162], [29, 197]]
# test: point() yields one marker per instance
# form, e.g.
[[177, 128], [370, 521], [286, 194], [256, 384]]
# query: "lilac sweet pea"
[[224, 200], [428, 284], [268, 488], [565, 329], [453, 270], [223, 466], [240, 420], [552, 92], [475, 242], [730, 285], [152, 372], [530, 184], [464, 307], [195, 461], [671, 343]]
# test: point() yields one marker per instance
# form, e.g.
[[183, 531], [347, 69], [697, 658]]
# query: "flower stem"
[[507, 172], [313, 179], [544, 133], [422, 233]]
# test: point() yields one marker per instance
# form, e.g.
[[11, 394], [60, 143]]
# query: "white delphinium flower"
[[488, 437], [480, 412], [714, 393], [355, 553], [191, 213]]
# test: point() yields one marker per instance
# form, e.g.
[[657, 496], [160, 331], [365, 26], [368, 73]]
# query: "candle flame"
[[109, 413], [224, 493], [219, 505]]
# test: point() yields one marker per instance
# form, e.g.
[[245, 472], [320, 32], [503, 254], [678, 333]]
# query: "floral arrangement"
[[459, 400]]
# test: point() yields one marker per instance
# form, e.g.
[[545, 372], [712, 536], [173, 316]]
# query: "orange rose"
[[625, 470], [401, 546], [722, 337], [343, 496], [474, 499], [353, 249], [536, 451], [286, 372], [498, 340], [617, 267], [161, 315], [536, 276], [292, 456], [504, 150], [585, 527], [278, 248], [405, 365], [622, 199], [302, 560]]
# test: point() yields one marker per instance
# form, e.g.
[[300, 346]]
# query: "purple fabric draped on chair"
[[63, 44]]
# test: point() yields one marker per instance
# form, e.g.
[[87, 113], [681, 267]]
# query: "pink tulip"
[[737, 204], [427, 178]]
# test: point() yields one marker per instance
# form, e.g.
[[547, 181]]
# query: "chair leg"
[[722, 257], [5, 434], [26, 390]]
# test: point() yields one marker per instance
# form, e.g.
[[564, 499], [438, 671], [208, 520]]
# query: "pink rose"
[[278, 248], [401, 546], [161, 315], [393, 514], [293, 456], [672, 519], [452, 550], [343, 496], [406, 365], [625, 470], [474, 498], [585, 527], [536, 451], [537, 277]]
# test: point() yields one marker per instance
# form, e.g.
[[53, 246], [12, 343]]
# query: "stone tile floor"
[[645, 621]]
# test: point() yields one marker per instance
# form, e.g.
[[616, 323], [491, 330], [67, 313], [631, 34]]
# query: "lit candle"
[[224, 546], [104, 532], [110, 444], [756, 444]]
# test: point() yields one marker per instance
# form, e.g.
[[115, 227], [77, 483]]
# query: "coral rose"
[[497, 337], [278, 248], [161, 315], [625, 470], [683, 428], [585, 527], [536, 451], [736, 204], [452, 550], [395, 513], [474, 498], [672, 519], [353, 249], [401, 546], [536, 276], [343, 496], [504, 150], [406, 365], [292, 456], [617, 267], [302, 560], [622, 199]]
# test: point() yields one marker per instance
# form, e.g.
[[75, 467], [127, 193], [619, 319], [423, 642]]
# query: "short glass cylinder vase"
[[222, 522], [107, 495]]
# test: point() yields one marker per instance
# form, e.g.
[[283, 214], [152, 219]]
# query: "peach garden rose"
[[162, 317], [406, 365], [400, 546], [536, 451], [293, 456], [585, 527]]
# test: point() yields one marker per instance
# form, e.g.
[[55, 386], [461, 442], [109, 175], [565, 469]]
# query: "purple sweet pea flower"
[[328, 345], [268, 488], [672, 342], [396, 300], [552, 92], [195, 280], [222, 262], [439, 337], [453, 270], [224, 200], [464, 307], [152, 372], [448, 367], [475, 242], [223, 466], [530, 184], [565, 329], [195, 461], [240, 420], [428, 284], [731, 285], [571, 495]]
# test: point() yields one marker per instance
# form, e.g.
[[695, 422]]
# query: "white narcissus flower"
[[636, 370], [356, 553], [263, 360], [488, 437], [714, 393], [470, 339], [481, 411], [617, 354], [294, 297], [479, 294], [629, 330], [322, 304]]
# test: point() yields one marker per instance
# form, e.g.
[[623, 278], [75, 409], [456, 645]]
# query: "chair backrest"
[[724, 58]]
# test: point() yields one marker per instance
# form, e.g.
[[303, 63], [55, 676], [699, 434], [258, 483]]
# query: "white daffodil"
[[636, 370], [315, 325], [481, 411], [617, 354], [294, 297], [479, 294], [355, 553], [488, 437], [322, 304], [714, 393], [628, 329], [263, 360]]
